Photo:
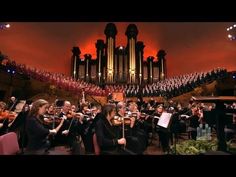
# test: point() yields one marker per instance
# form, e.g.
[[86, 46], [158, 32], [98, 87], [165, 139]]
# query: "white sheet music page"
[[164, 119]]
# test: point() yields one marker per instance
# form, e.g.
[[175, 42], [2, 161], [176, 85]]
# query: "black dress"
[[107, 136], [37, 135]]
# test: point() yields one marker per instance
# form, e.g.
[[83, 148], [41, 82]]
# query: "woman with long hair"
[[36, 132], [107, 134]]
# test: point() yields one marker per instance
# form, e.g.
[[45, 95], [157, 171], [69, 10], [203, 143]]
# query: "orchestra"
[[120, 128], [116, 103]]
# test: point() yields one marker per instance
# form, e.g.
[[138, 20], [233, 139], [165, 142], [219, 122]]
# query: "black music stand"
[[19, 124]]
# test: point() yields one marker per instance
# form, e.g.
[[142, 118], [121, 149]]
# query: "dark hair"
[[120, 105], [107, 109]]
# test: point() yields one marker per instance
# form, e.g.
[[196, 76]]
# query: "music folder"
[[164, 120]]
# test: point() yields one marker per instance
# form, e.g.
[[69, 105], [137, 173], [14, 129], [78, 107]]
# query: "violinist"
[[5, 118], [50, 110], [49, 116], [194, 121], [36, 132], [107, 134], [2, 109], [136, 139], [73, 108], [164, 133], [86, 127], [69, 131], [88, 136], [12, 103]]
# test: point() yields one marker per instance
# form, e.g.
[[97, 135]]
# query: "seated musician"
[[50, 110], [175, 126], [88, 136], [69, 130], [108, 134], [142, 124], [194, 121], [2, 117], [49, 113], [136, 139], [84, 122], [11, 103], [164, 133], [5, 118], [96, 108], [73, 108], [36, 132]]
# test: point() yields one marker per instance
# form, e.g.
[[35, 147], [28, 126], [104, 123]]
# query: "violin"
[[72, 114], [50, 119], [117, 121], [8, 115]]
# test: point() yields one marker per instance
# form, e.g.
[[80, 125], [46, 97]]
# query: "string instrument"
[[51, 120], [196, 112], [71, 115], [144, 116], [10, 115], [117, 121]]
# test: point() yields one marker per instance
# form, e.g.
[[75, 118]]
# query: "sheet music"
[[164, 119], [20, 106]]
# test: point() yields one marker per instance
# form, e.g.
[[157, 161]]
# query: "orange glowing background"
[[189, 46]]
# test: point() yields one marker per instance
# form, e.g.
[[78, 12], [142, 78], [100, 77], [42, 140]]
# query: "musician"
[[6, 117], [164, 133], [152, 102], [109, 97], [3, 118], [96, 108], [175, 126], [69, 130], [85, 127], [107, 134], [11, 104], [136, 139], [194, 121], [50, 110], [87, 136], [73, 108], [36, 132]]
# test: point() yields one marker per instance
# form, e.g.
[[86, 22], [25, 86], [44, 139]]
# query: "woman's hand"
[[122, 141]]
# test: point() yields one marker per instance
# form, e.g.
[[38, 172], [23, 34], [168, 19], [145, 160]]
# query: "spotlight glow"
[[231, 32], [7, 25]]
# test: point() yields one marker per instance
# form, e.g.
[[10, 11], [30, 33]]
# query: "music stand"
[[20, 106], [19, 121]]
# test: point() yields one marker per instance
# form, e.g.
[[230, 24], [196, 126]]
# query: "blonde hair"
[[3, 105]]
